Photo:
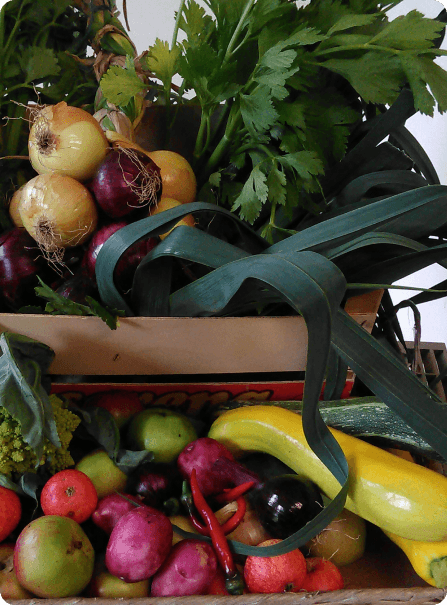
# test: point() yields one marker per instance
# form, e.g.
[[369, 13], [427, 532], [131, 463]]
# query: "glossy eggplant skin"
[[285, 503]]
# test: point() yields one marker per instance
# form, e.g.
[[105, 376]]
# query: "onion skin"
[[129, 261], [120, 187], [20, 263], [14, 207], [66, 140], [65, 204]]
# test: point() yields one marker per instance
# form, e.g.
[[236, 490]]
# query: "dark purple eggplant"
[[285, 503], [158, 484]]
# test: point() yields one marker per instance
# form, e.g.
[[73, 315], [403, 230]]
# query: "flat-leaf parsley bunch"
[[288, 85]]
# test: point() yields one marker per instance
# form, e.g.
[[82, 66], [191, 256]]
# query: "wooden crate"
[[171, 345]]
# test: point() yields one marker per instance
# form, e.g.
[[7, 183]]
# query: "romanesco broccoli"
[[16, 456]]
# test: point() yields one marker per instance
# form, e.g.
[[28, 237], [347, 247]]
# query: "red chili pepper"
[[230, 524], [235, 519], [233, 493], [217, 536]]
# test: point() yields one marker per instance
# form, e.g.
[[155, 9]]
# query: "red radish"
[[322, 576], [215, 466], [127, 179], [139, 544], [189, 570], [111, 508]]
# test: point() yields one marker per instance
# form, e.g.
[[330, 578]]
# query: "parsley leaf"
[[37, 63], [257, 110], [254, 193], [59, 305], [162, 60], [376, 77], [119, 85], [409, 32]]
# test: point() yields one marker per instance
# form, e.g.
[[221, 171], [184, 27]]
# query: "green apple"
[[162, 431], [53, 557], [105, 475], [10, 587], [104, 585]]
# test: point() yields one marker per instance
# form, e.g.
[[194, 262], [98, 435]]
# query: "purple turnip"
[[139, 544], [111, 508], [215, 466], [189, 570]]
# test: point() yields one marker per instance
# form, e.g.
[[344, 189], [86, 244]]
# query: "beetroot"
[[111, 508], [189, 570], [139, 544], [215, 466]]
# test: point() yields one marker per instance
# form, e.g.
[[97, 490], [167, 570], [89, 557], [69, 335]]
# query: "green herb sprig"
[[290, 85]]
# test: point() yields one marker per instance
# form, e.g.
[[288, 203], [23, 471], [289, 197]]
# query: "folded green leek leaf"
[[314, 287], [391, 381]]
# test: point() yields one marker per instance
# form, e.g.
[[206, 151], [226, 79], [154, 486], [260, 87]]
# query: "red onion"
[[77, 287], [127, 264], [126, 180], [20, 263]]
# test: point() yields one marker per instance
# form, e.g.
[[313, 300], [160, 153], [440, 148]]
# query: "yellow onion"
[[57, 211], [66, 140], [166, 203], [14, 207], [249, 531]]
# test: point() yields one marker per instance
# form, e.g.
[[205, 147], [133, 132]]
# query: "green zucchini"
[[367, 418]]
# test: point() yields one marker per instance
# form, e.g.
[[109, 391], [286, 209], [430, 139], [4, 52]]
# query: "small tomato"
[[322, 576], [69, 493]]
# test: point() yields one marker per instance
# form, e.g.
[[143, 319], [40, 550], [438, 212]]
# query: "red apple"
[[123, 405]]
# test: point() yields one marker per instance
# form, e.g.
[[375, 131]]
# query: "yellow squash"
[[429, 559], [397, 495]]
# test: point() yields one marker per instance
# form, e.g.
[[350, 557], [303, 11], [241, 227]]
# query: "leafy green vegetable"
[[291, 85], [59, 305], [121, 85], [101, 427], [22, 364]]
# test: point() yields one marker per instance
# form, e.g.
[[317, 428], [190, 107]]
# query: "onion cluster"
[[89, 183]]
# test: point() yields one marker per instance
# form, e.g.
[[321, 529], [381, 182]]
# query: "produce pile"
[[296, 186], [214, 507], [141, 500]]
